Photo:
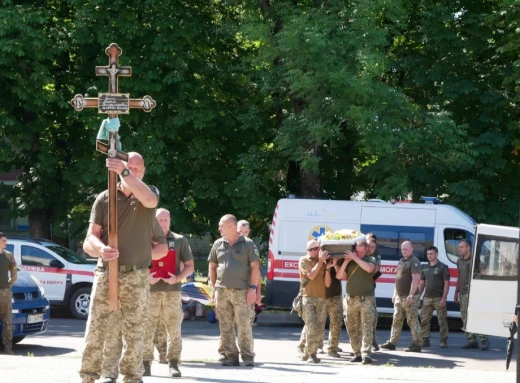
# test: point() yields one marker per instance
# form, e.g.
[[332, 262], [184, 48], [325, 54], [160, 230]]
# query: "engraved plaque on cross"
[[113, 103]]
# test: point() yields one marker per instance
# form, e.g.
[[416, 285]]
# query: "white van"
[[295, 221], [493, 287], [66, 277]]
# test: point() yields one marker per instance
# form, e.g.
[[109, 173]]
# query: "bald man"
[[140, 239], [406, 299]]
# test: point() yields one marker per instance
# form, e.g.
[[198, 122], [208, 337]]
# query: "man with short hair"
[[8, 276], [406, 299], [165, 296], [462, 294], [233, 270], [139, 240], [435, 282]]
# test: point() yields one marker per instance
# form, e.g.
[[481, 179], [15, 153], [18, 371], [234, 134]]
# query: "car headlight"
[[40, 286]]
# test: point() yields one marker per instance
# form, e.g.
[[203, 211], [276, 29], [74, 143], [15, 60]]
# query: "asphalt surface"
[[55, 357]]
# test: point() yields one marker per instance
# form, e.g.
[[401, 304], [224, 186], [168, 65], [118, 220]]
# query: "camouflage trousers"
[[314, 315], [464, 301], [133, 291], [6, 316], [403, 310], [428, 307], [334, 307], [376, 316], [165, 305], [113, 346], [232, 308], [160, 339], [360, 324]]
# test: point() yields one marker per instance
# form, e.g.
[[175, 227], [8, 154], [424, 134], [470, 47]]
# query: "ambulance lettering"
[[32, 268], [386, 269], [290, 265]]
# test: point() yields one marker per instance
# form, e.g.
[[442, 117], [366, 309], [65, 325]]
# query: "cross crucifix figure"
[[113, 104]]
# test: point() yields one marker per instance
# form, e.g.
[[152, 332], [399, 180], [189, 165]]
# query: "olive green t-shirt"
[[335, 285], [233, 262], [359, 282], [136, 227], [403, 278], [434, 278], [7, 265], [182, 254], [464, 268], [315, 287]]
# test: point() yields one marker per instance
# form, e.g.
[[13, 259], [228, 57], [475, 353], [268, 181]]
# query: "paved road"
[[55, 357]]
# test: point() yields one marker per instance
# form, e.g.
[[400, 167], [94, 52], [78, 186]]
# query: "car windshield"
[[68, 255]]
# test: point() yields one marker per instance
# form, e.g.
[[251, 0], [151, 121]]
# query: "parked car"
[[66, 276], [31, 311]]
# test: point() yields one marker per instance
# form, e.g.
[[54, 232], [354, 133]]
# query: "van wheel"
[[18, 339], [80, 303]]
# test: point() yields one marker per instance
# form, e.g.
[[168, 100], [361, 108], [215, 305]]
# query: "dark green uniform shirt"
[[359, 282], [434, 278], [7, 265], [403, 278], [182, 254], [136, 227], [233, 262], [335, 285], [464, 268]]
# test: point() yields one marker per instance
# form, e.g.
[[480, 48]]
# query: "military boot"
[[162, 359], [231, 361], [375, 346], [249, 362], [333, 354], [388, 346], [147, 368], [174, 368], [8, 350], [470, 345], [413, 348], [314, 359], [425, 343], [444, 343]]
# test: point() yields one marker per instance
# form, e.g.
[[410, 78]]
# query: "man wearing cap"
[[165, 296]]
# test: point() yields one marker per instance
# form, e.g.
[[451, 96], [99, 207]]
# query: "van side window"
[[32, 256], [496, 258], [390, 238], [452, 238]]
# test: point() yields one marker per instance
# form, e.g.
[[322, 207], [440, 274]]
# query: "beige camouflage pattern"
[[160, 339], [6, 316], [232, 308], [376, 316], [165, 304], [314, 315], [411, 313], [133, 303], [428, 307], [360, 324], [334, 307], [113, 346], [464, 301]]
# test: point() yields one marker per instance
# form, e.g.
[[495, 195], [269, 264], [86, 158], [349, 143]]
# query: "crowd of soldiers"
[[417, 289], [122, 341]]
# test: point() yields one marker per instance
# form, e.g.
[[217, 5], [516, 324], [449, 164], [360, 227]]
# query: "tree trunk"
[[310, 179], [40, 223]]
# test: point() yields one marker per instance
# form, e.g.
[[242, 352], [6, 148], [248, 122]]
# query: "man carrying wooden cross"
[[140, 239]]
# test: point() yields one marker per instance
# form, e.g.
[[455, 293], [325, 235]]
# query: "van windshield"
[[68, 255]]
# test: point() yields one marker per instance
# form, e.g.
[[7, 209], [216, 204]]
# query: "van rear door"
[[493, 287]]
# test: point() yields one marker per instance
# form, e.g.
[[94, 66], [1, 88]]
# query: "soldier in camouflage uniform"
[[462, 294], [435, 282], [234, 269], [371, 250], [359, 268], [8, 276], [140, 239], [406, 299], [165, 299], [312, 267]]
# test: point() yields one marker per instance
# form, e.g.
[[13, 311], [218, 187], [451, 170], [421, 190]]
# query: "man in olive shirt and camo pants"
[[462, 294], [7, 266], [234, 268], [136, 205], [359, 268], [435, 281], [165, 299], [406, 299]]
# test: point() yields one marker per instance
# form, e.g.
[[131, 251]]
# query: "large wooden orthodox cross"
[[113, 103]]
